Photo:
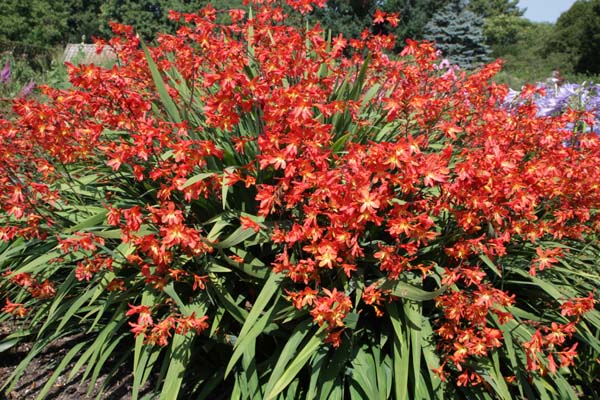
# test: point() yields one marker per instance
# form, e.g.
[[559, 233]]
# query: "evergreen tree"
[[458, 33]]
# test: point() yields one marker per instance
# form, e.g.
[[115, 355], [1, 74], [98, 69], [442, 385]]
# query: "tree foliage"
[[149, 17], [577, 36], [458, 33], [350, 18], [493, 8], [503, 30], [45, 23], [36, 22], [83, 21]]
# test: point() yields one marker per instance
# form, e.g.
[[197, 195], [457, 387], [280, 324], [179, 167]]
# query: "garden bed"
[[42, 367]]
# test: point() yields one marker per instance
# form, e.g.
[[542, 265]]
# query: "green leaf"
[[340, 143], [490, 264], [161, 88], [255, 325], [369, 95], [13, 339], [496, 380], [72, 308], [401, 353], [296, 365], [38, 346], [60, 368], [90, 222], [330, 383], [365, 372], [197, 178], [99, 364], [414, 319], [410, 292], [237, 237], [360, 79], [229, 305], [351, 320], [289, 352], [432, 360], [106, 335], [180, 354], [38, 264], [316, 368], [224, 187], [141, 352], [58, 306], [518, 369]]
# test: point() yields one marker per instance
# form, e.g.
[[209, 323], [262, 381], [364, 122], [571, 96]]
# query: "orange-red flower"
[[16, 309]]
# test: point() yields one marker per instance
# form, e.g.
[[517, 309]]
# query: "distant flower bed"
[[555, 97]]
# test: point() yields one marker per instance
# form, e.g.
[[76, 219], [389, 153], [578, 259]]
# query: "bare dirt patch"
[[41, 368]]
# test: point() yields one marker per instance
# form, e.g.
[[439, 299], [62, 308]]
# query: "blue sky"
[[545, 10]]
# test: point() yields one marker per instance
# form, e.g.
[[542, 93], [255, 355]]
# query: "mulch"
[[42, 367]]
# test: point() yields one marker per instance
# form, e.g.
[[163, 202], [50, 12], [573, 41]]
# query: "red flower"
[[15, 309], [248, 223], [379, 17], [545, 259], [577, 306]]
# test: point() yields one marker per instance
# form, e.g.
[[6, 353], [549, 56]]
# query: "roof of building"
[[87, 54]]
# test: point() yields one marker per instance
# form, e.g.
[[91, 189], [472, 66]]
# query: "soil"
[[41, 368]]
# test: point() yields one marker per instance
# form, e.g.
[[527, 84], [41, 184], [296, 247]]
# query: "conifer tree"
[[458, 33]]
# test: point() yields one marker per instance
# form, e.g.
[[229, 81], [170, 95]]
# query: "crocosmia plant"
[[253, 209]]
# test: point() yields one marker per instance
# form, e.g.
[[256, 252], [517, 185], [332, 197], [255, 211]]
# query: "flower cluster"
[[556, 97], [254, 140], [549, 343]]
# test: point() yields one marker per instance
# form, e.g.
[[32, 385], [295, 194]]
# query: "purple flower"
[[444, 64], [5, 73], [27, 89], [559, 96]]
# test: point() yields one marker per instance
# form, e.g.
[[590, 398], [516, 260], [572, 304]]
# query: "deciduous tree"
[[493, 8], [577, 35]]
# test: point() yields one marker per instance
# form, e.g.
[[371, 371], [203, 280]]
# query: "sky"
[[545, 10]]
